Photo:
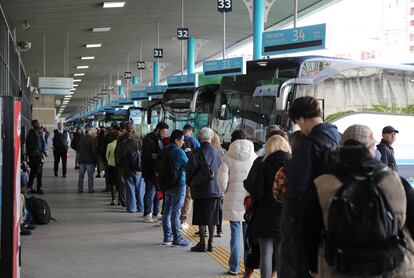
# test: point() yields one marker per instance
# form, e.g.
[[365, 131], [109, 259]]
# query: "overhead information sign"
[[126, 101], [115, 104], [294, 40], [156, 90], [139, 95], [232, 66], [55, 85], [181, 81]]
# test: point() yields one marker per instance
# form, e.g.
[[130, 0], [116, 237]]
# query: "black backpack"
[[166, 176], [362, 236], [136, 161], [188, 145], [39, 211]]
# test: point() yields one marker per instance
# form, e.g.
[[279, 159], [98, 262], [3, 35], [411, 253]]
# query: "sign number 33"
[[224, 5]]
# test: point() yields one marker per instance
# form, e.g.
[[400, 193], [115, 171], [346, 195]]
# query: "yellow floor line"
[[220, 254]]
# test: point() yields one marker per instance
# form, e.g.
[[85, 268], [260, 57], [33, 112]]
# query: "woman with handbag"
[[265, 220], [201, 177], [234, 169]]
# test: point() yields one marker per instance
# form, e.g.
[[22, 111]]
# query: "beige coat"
[[327, 185]]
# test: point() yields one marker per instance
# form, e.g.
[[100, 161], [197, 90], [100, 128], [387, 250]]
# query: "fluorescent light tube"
[[101, 29], [120, 4], [75, 85], [77, 80], [82, 67], [78, 74], [88, 58], [91, 45]]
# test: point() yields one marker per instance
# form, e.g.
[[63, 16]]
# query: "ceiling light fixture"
[[77, 80], [101, 29], [75, 85], [88, 58], [120, 4], [78, 74], [82, 67], [92, 45]]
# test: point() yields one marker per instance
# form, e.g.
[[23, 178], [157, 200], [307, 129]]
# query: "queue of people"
[[312, 204]]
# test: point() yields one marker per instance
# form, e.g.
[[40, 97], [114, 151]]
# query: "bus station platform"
[[93, 239]]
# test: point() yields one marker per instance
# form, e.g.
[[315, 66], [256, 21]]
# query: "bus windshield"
[[177, 104], [247, 101]]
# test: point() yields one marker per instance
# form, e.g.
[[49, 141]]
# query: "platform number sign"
[[158, 53], [224, 6], [182, 33], [140, 65], [127, 75]]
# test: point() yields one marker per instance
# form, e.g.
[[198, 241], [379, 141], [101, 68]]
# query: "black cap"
[[389, 129]]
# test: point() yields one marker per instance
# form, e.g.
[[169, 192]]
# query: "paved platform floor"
[[93, 239]]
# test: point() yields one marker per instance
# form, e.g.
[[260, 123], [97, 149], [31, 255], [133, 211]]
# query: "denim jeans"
[[90, 168], [236, 229], [134, 192], [173, 203], [151, 202]]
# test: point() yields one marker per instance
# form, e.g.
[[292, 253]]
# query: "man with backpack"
[[172, 180], [128, 155], [190, 144], [360, 208], [306, 164], [151, 147]]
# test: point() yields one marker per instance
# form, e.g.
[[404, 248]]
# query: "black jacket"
[[75, 141], [387, 155], [32, 149], [127, 144], [305, 165], [150, 146], [266, 219], [87, 150]]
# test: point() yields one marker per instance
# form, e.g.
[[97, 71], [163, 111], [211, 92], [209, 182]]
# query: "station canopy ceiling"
[[136, 20]]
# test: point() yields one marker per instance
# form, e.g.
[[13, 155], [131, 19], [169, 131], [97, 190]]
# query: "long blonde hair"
[[276, 143]]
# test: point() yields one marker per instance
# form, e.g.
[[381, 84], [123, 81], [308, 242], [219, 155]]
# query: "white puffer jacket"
[[234, 169]]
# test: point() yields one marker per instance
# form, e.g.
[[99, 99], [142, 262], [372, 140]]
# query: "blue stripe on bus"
[[405, 161]]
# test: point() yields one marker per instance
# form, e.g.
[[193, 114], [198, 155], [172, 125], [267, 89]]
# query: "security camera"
[[24, 45]]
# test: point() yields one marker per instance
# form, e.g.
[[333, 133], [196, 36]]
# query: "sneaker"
[[210, 247], [181, 243], [40, 191], [24, 231], [112, 203], [184, 226], [158, 216], [30, 226], [219, 234], [167, 242], [199, 248], [233, 273], [148, 218]]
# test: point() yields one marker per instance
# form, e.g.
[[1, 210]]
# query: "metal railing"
[[13, 78]]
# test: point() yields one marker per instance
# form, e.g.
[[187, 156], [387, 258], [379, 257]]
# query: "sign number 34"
[[224, 5], [298, 34]]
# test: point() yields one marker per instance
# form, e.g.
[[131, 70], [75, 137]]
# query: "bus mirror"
[[193, 106], [223, 111], [281, 98]]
